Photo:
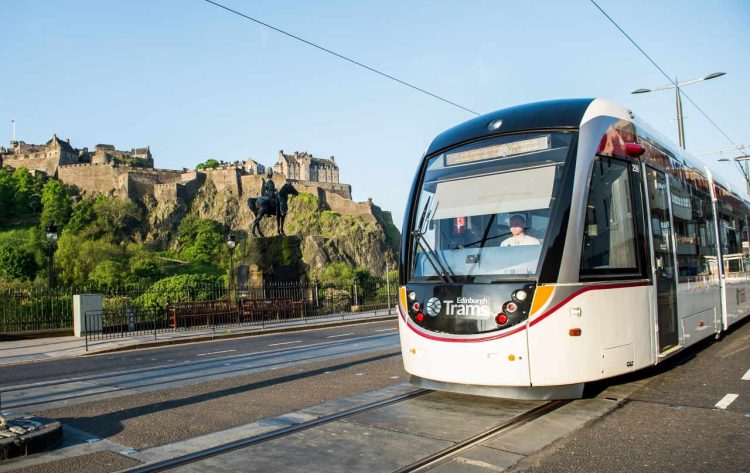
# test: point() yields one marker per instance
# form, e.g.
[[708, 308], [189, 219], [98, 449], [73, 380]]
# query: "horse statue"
[[267, 207]]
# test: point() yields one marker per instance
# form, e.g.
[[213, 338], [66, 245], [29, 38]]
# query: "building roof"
[[64, 145]]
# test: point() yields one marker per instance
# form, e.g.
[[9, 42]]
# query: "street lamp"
[[742, 163], [51, 236], [231, 244], [676, 86]]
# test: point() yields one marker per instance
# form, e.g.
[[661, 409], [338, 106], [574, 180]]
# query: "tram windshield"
[[484, 208]]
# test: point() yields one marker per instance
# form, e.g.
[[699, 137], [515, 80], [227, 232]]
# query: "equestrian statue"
[[271, 203]]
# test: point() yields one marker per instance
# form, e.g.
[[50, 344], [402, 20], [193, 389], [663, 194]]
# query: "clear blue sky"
[[196, 82]]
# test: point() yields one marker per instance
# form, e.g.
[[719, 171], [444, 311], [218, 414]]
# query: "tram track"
[[449, 453], [423, 464], [79, 389], [256, 439]]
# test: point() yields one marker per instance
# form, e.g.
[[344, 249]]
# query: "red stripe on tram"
[[586, 289], [522, 327]]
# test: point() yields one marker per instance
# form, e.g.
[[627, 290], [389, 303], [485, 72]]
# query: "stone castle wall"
[[226, 180], [344, 190], [125, 181], [102, 176], [92, 178], [184, 190], [344, 206], [48, 166]]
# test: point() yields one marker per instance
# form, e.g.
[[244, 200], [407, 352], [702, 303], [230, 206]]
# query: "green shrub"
[[181, 288]]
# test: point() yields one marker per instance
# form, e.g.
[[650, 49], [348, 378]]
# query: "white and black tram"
[[562, 242]]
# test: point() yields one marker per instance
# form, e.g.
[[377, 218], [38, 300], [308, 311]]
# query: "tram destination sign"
[[497, 151]]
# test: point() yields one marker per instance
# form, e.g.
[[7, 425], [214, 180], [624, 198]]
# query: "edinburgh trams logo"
[[433, 307], [467, 307]]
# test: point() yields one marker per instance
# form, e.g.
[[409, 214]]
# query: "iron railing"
[[36, 310], [211, 309], [136, 310]]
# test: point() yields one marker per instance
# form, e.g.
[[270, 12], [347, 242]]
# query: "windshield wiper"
[[484, 240], [431, 255], [428, 251]]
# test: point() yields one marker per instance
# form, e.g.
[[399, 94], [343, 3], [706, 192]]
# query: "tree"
[[7, 190], [82, 216], [144, 270], [56, 206], [77, 257], [28, 192], [209, 164], [200, 239], [16, 262], [340, 274], [108, 274], [183, 287], [115, 216]]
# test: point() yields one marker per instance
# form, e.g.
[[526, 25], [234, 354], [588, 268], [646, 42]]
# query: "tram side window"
[[731, 231], [694, 233], [703, 219], [609, 243]]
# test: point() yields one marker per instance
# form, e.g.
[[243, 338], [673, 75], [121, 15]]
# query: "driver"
[[518, 229]]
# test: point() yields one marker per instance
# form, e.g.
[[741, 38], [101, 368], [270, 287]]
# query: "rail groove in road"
[[82, 388], [256, 439], [450, 452]]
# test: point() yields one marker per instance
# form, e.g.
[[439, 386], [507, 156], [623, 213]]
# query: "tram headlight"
[[510, 307], [412, 295], [519, 295]]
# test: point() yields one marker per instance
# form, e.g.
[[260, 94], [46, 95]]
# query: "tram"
[[557, 243]]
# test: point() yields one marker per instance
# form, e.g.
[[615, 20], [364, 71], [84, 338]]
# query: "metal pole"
[[51, 266], [231, 275], [680, 125]]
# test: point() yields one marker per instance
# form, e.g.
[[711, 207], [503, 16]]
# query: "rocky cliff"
[[366, 237]]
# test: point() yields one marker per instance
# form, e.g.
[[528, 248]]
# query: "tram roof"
[[548, 114]]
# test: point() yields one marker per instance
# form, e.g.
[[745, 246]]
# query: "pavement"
[[29, 350]]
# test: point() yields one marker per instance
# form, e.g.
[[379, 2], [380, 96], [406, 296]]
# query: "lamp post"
[[231, 244], [678, 99], [742, 163], [51, 236]]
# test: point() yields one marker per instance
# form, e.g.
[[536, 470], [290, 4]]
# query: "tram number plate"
[[635, 168]]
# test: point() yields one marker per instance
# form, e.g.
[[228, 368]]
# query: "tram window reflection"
[[468, 197], [609, 235]]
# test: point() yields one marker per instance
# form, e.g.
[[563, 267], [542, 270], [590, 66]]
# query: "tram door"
[[661, 230]]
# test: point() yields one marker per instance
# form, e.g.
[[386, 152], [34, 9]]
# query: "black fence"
[[36, 310], [212, 309], [137, 311]]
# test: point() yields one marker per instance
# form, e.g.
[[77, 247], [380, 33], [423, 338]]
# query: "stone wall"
[[251, 184], [344, 206], [344, 190], [226, 180], [92, 178], [48, 166], [125, 181]]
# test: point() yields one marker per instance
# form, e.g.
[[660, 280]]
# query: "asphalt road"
[[677, 422], [174, 354], [691, 413], [195, 364], [164, 395]]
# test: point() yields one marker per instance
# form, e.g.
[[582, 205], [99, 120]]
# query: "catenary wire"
[[341, 56], [664, 74]]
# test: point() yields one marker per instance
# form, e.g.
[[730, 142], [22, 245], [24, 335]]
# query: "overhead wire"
[[341, 56], [664, 73]]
